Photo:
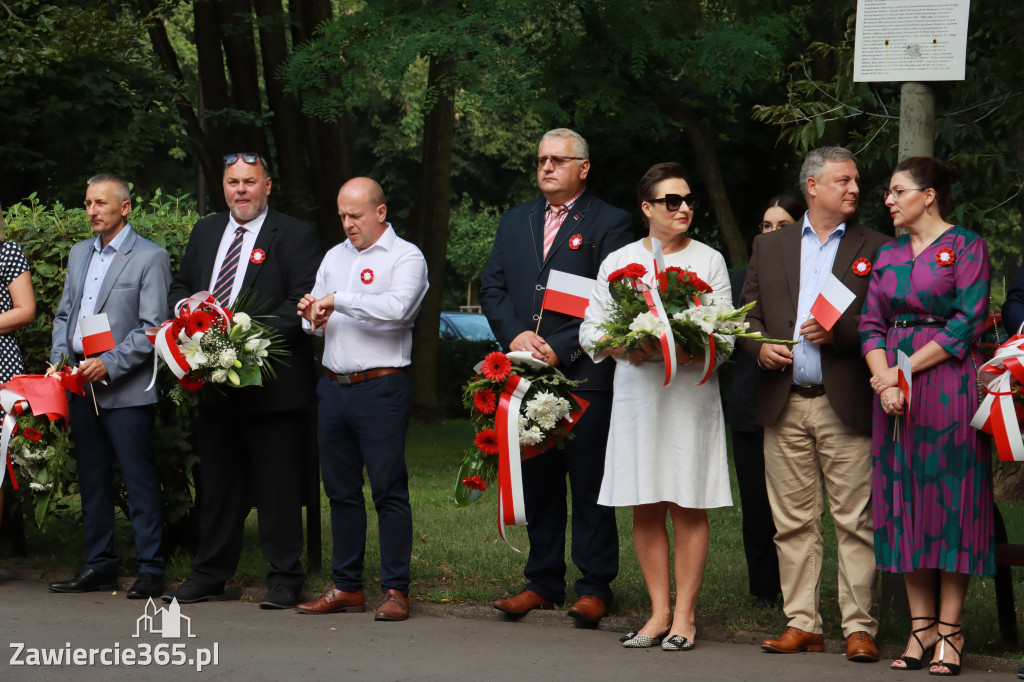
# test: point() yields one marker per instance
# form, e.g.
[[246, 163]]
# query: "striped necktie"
[[552, 221], [226, 278]]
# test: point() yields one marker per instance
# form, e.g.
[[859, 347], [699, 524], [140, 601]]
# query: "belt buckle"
[[344, 379], [899, 324]]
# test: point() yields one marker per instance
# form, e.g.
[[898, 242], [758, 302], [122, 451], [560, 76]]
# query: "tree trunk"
[[240, 52], [293, 195], [213, 84], [428, 228]]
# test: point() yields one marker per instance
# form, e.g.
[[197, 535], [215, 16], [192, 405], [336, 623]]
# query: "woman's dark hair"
[[657, 173], [929, 173], [788, 203]]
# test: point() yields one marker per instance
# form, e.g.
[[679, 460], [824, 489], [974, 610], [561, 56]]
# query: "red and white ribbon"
[[511, 502], [998, 415], [13, 404], [652, 296], [166, 342]]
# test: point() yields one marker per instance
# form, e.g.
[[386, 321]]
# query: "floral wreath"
[[366, 276], [945, 257], [257, 256], [575, 241], [861, 267]]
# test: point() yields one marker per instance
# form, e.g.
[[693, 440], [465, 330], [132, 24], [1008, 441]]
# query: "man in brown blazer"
[[814, 402]]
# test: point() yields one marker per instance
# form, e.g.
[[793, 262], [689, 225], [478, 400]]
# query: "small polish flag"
[[832, 302], [567, 293], [96, 335], [903, 378]]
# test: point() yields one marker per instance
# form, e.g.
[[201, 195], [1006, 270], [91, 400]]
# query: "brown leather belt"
[[360, 377], [808, 390]]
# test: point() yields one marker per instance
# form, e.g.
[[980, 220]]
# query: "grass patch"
[[459, 558]]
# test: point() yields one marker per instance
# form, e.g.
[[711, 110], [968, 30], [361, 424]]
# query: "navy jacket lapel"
[[572, 223], [264, 240]]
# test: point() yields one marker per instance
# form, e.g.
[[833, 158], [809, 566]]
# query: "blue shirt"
[[816, 259], [99, 263]]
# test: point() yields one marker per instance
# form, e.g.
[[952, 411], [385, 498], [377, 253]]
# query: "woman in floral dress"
[[932, 482]]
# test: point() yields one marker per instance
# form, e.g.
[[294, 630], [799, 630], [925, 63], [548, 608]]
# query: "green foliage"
[[471, 235], [978, 123], [46, 234]]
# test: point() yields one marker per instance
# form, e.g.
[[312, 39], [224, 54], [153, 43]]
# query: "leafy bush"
[[46, 234]]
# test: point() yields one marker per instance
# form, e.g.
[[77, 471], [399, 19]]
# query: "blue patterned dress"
[[932, 488]]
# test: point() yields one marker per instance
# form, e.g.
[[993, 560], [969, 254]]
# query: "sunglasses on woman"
[[674, 201]]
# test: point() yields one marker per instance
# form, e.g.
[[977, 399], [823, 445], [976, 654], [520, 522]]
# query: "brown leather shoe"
[[588, 610], [793, 640], [860, 646], [522, 603], [394, 607], [335, 601]]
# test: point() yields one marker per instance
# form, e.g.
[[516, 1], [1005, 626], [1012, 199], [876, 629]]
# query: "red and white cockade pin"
[[861, 267], [945, 257], [366, 276], [575, 241], [258, 256]]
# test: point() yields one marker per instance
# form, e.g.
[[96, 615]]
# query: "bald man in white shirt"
[[368, 291]]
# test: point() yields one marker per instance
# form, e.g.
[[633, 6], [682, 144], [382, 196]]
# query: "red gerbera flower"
[[474, 483], [180, 323], [32, 434], [199, 321], [484, 402], [945, 257], [496, 366], [487, 441]]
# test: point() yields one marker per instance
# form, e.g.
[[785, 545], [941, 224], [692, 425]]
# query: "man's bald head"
[[362, 211]]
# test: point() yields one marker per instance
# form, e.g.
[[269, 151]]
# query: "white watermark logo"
[[168, 622]]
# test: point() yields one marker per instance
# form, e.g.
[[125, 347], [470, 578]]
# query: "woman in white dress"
[[666, 452]]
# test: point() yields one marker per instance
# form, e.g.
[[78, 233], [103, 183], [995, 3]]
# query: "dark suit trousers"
[[247, 460], [122, 432], [758, 525], [595, 537], [365, 425]]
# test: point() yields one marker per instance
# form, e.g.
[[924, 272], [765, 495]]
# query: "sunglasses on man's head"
[[674, 201], [248, 157]]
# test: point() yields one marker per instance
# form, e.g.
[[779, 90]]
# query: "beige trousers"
[[810, 445]]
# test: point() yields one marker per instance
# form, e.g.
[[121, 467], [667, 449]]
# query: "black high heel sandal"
[[909, 662], [952, 669]]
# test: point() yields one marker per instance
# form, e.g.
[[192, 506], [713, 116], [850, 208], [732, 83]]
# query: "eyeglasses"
[[674, 201], [768, 227], [895, 193], [557, 161], [248, 157]]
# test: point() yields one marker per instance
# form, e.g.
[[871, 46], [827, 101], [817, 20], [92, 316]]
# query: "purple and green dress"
[[932, 487]]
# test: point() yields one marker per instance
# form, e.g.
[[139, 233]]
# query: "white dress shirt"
[[252, 230], [377, 294], [816, 260]]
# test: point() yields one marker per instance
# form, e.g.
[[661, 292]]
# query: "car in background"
[[469, 326]]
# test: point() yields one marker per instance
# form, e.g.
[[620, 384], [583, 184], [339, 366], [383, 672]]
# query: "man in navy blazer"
[[1013, 308], [126, 277], [573, 231], [250, 438]]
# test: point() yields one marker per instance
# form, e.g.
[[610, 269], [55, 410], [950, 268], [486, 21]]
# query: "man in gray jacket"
[[125, 276]]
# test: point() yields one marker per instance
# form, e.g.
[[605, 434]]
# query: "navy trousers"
[[364, 425], [595, 538], [122, 432], [758, 525]]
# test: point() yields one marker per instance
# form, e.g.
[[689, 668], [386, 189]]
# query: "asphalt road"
[[436, 643]]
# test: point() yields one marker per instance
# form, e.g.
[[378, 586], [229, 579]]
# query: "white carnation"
[[227, 358], [647, 322], [219, 376]]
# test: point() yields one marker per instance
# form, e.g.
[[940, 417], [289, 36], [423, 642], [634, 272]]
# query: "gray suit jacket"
[[773, 280], [134, 297]]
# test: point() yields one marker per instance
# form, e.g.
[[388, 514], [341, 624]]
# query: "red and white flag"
[[567, 293], [96, 335], [832, 302], [903, 379]]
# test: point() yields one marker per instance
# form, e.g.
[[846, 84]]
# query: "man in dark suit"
[[249, 439], [1013, 307], [569, 230], [814, 401], [124, 276]]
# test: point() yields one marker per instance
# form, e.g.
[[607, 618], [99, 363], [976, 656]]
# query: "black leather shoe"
[[87, 580], [279, 597], [193, 593], [148, 585]]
